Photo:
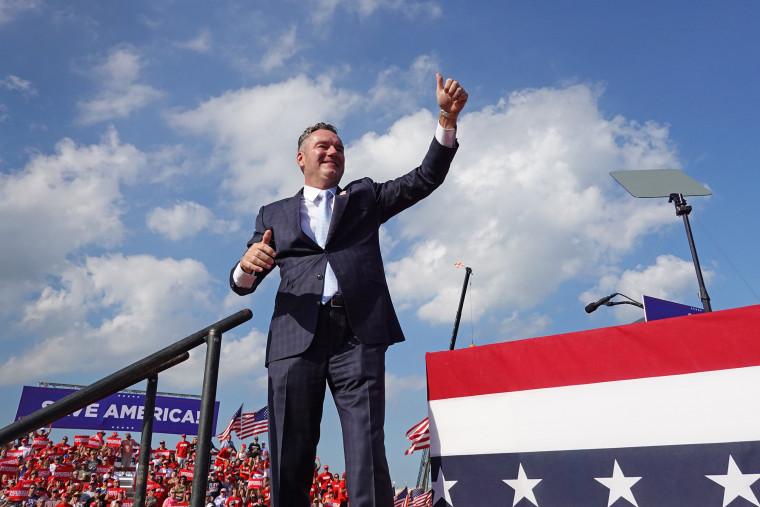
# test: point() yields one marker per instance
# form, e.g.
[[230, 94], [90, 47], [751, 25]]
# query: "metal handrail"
[[148, 368]]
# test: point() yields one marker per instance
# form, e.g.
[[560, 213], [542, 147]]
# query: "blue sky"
[[139, 139]]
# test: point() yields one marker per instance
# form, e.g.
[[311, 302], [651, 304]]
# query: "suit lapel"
[[293, 212], [341, 200]]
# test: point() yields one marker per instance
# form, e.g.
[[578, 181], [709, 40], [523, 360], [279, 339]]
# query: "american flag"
[[418, 498], [400, 499], [659, 413], [419, 434], [254, 423], [234, 425]]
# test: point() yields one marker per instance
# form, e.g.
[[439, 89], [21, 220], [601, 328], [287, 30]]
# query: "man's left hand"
[[451, 96]]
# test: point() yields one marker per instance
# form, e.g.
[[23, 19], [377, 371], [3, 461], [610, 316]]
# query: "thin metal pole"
[[682, 210], [702, 288], [208, 398], [146, 438], [468, 272]]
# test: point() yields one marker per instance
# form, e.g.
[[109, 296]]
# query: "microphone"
[[591, 307]]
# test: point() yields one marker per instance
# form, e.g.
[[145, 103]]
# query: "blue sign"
[[120, 411], [656, 309]]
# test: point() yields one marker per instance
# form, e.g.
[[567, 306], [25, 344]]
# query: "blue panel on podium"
[[656, 309]]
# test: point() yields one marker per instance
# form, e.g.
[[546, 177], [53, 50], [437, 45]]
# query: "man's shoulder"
[[284, 201]]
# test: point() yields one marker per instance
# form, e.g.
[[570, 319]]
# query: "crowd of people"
[[92, 471]]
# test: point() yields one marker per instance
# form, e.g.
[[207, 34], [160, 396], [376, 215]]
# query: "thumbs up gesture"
[[259, 256], [451, 96]]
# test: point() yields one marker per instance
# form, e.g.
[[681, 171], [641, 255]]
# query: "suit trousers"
[[355, 374]]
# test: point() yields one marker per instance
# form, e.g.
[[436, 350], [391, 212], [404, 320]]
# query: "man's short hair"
[[318, 126]]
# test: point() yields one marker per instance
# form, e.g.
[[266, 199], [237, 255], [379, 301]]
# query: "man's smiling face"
[[321, 159]]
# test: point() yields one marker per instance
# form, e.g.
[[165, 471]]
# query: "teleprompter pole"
[[682, 210]]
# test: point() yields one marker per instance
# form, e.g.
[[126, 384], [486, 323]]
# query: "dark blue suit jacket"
[[353, 250]]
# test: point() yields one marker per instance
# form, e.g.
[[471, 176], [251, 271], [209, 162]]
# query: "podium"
[[663, 413]]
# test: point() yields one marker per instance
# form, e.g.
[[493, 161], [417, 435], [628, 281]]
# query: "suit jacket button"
[[319, 277]]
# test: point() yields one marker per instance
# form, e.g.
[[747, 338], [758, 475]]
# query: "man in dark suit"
[[333, 317]]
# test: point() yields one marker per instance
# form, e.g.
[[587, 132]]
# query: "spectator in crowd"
[[236, 499], [55, 498], [128, 447], [193, 446], [93, 461], [171, 499], [214, 485], [62, 447], [181, 486], [255, 445], [89, 493], [25, 448], [222, 498], [183, 450], [33, 496], [264, 452], [323, 480]]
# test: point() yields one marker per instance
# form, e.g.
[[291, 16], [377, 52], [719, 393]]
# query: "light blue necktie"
[[324, 214]]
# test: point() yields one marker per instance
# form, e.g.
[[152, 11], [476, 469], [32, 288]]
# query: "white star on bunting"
[[523, 487], [442, 485], [619, 485], [736, 483]]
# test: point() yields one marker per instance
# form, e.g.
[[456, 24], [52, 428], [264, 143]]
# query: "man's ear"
[[299, 160]]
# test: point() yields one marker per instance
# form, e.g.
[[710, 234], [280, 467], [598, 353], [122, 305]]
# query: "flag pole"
[[468, 272]]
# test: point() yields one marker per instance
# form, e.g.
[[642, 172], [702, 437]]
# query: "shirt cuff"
[[243, 279], [447, 137]]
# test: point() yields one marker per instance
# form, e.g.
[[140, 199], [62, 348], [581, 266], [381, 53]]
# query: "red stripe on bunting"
[[705, 342]]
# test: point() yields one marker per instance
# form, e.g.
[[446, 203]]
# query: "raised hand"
[[451, 96]]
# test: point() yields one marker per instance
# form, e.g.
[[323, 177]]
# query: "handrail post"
[[208, 397], [146, 438]]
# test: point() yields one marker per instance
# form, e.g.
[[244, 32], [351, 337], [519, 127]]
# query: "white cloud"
[[670, 278], [15, 83], [396, 90], [280, 50], [325, 9], [200, 44], [519, 326], [185, 220], [121, 94], [109, 312], [9, 9], [396, 387], [255, 131], [61, 202]]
